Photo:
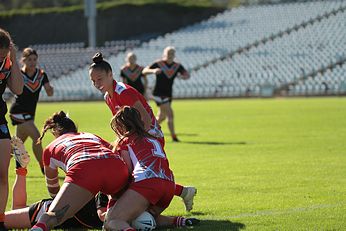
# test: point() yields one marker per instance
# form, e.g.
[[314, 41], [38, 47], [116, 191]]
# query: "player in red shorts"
[[90, 166], [166, 70], [131, 74], [153, 186], [118, 94], [23, 109], [9, 77]]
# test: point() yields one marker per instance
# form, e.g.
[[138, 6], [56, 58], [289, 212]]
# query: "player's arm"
[[126, 156], [144, 114], [145, 82], [16, 82], [184, 74], [52, 180], [49, 89], [152, 69]]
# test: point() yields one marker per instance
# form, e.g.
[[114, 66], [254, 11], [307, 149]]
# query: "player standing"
[[166, 70], [23, 109], [131, 74], [9, 77]]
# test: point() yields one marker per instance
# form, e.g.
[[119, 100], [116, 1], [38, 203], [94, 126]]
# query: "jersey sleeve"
[[129, 97], [46, 157], [154, 65], [181, 69], [122, 75], [45, 78]]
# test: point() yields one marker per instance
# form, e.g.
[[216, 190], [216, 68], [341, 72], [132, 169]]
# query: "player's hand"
[[13, 52], [157, 71]]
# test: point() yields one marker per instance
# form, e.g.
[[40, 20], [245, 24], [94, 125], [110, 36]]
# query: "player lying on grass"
[[90, 166], [152, 187]]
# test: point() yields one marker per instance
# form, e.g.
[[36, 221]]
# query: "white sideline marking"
[[287, 211]]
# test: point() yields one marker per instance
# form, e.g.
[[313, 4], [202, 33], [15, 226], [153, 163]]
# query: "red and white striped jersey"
[[148, 158], [71, 148]]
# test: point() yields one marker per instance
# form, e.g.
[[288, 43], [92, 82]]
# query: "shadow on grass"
[[219, 225], [213, 143], [213, 225]]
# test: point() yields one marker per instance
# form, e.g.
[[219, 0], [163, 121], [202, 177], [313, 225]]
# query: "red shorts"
[[102, 175], [157, 191]]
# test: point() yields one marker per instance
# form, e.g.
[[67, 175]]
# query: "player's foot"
[[175, 138], [188, 195], [20, 154], [191, 221]]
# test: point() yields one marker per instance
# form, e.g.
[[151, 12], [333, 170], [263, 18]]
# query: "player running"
[[153, 186], [166, 70], [131, 74], [90, 167], [9, 77], [118, 94], [23, 109]]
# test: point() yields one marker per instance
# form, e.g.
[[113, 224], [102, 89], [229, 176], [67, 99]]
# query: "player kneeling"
[[152, 188]]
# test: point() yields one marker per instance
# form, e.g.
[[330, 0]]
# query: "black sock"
[[18, 165]]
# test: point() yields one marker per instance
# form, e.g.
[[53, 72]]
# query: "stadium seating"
[[246, 51]]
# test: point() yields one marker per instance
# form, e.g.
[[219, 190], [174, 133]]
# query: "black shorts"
[[159, 100], [20, 118], [85, 218], [4, 132]]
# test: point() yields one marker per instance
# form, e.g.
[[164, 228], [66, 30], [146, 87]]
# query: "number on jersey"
[[157, 151]]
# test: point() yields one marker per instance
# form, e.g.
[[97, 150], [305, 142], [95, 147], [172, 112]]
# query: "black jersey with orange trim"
[[86, 217], [133, 77], [5, 72], [27, 101], [165, 79]]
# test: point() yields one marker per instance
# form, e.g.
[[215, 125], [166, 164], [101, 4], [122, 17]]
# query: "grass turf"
[[258, 164]]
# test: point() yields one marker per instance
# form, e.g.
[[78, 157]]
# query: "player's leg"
[[187, 193], [18, 219], [19, 196], [130, 205], [29, 128], [170, 120], [161, 114], [70, 199], [5, 149]]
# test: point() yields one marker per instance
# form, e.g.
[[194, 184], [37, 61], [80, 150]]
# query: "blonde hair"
[[167, 49]]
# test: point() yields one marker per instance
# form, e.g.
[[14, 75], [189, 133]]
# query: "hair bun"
[[97, 58], [59, 117]]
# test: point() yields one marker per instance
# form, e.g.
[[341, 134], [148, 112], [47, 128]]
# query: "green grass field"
[[258, 164]]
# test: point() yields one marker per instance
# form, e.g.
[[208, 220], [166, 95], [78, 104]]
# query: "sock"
[[179, 221], [40, 225], [178, 189], [21, 171], [2, 217], [174, 136]]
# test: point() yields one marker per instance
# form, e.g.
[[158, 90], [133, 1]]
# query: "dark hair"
[[100, 63], [5, 39], [29, 51], [59, 123], [128, 121]]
